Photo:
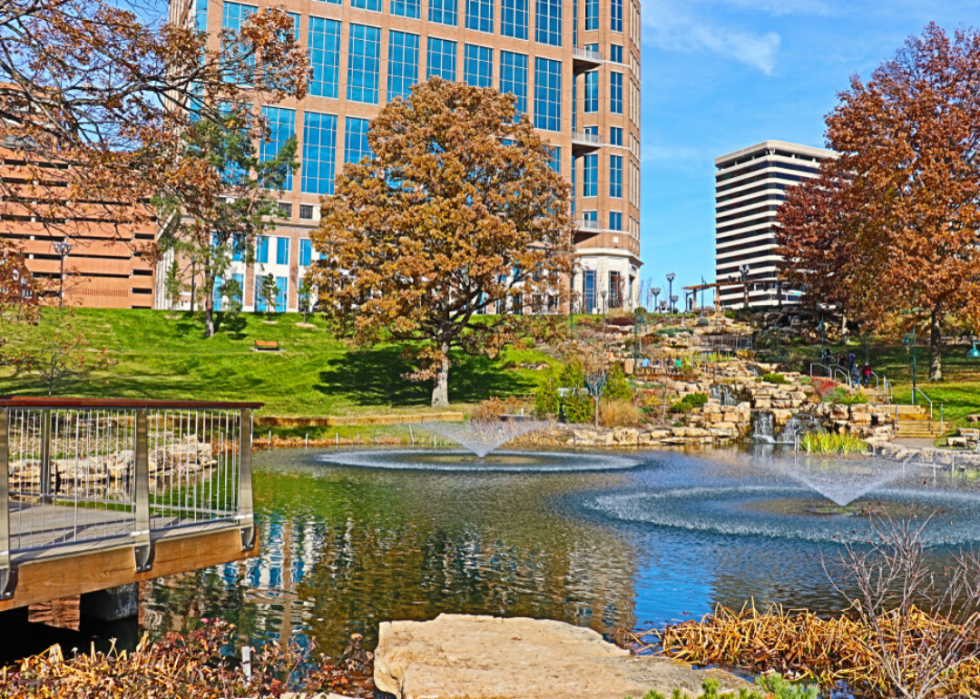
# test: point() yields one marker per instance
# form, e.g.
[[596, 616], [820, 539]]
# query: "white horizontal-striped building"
[[750, 186]]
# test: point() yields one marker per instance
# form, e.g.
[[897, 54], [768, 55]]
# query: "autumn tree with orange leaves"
[[892, 231], [456, 210]]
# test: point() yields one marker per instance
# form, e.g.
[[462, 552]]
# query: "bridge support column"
[[116, 603]]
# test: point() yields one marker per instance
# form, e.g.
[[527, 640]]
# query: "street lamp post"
[[744, 271], [656, 294], [670, 286], [911, 339], [62, 248], [673, 304]]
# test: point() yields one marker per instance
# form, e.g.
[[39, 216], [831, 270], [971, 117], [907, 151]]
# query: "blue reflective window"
[[305, 252], [588, 289], [615, 221], [373, 5], [547, 94], [547, 22], [592, 92], [441, 59], [282, 127], [406, 8], [555, 158], [479, 15], [590, 181], [574, 168], [356, 140], [218, 284], [591, 15], [282, 285], [262, 250], [282, 250], [592, 130], [513, 77], [590, 216], [616, 53], [332, 2], [319, 153], [616, 93], [233, 15], [616, 176], [615, 136], [201, 15], [616, 15], [403, 64], [513, 18], [478, 66], [324, 52], [443, 12], [238, 249], [363, 63]]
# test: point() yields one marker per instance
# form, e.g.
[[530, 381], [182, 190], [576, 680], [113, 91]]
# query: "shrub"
[[689, 402], [619, 413], [859, 398], [774, 686], [546, 398], [824, 386], [493, 408], [578, 407], [618, 386], [702, 322], [774, 378], [731, 315]]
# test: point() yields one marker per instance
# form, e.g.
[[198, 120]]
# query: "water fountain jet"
[[484, 436]]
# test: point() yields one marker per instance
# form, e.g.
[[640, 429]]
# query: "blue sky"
[[719, 75]]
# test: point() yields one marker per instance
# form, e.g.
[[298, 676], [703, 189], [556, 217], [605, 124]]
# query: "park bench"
[[267, 345]]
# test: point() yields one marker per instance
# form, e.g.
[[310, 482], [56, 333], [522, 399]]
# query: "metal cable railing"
[[80, 472]]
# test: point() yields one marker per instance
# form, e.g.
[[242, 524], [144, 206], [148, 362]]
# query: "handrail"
[[922, 393], [47, 402], [832, 373], [135, 467]]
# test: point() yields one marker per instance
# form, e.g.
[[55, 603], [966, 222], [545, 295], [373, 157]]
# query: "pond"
[[349, 541]]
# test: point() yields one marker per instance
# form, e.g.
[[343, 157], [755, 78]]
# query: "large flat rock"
[[481, 657]]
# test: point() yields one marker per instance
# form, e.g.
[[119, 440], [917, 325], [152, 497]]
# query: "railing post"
[[46, 417], [142, 545], [8, 575], [246, 513]]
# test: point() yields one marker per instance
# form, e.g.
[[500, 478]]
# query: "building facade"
[[750, 186], [573, 65], [84, 252]]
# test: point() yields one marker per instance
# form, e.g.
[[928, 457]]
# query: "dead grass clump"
[[492, 408], [192, 666], [619, 413], [801, 645]]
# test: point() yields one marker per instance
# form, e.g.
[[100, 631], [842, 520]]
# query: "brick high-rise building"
[[86, 252], [574, 66]]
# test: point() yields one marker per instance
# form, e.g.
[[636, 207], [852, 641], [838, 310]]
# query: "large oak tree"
[[456, 209], [896, 219]]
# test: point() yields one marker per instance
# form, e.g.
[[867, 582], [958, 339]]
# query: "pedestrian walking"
[[866, 375], [851, 361]]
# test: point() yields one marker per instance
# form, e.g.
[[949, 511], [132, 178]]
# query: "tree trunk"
[[440, 384], [935, 348], [208, 304]]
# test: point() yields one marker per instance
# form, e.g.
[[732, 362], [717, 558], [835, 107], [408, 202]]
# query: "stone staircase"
[[913, 422]]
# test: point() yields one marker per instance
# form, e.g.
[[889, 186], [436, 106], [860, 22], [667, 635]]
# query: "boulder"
[[480, 657]]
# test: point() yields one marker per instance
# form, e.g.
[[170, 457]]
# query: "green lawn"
[[162, 355], [958, 393]]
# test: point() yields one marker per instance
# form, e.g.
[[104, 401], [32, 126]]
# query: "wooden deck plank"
[[86, 570]]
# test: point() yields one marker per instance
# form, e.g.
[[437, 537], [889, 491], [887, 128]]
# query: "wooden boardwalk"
[[53, 546]]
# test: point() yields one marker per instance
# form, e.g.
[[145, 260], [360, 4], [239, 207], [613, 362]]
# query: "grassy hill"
[[163, 355]]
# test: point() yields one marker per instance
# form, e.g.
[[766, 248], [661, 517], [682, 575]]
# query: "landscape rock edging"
[[458, 656]]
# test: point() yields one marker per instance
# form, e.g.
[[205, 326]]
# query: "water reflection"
[[346, 548]]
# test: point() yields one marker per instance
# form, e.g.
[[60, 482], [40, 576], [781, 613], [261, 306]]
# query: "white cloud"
[[674, 28]]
